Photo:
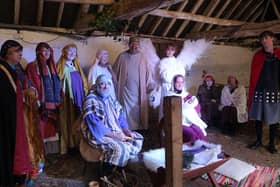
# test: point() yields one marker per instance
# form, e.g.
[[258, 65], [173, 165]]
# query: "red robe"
[[256, 68]]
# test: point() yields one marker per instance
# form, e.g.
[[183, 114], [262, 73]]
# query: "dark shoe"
[[272, 149], [255, 145]]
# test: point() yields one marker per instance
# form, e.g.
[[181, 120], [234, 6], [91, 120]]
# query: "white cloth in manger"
[[155, 158]]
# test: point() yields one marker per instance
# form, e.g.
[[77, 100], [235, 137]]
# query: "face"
[[179, 83], [134, 47], [267, 42], [232, 81], [103, 88], [170, 51], [209, 82], [45, 52], [14, 55], [71, 53], [104, 57]]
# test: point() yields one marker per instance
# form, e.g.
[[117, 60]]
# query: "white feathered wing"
[[192, 51]]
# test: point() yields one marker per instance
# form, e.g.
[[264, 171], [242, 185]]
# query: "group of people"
[[41, 103]]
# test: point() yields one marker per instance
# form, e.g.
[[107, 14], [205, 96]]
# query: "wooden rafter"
[[265, 9], [219, 13], [128, 9], [253, 10], [257, 14], [241, 11], [83, 19], [230, 12], [157, 23], [242, 31], [142, 20], [59, 16], [54, 30], [93, 2], [17, 11], [209, 10], [40, 12], [171, 23], [186, 22], [276, 11], [194, 17]]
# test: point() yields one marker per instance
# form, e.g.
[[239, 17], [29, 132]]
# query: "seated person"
[[106, 127], [208, 100], [233, 105], [193, 126]]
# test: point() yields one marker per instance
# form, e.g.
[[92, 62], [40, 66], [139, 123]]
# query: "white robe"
[[97, 70], [238, 99], [168, 68]]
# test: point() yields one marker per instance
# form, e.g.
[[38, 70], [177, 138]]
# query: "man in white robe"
[[133, 76]]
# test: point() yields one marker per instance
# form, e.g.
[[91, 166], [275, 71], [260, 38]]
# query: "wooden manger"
[[173, 174]]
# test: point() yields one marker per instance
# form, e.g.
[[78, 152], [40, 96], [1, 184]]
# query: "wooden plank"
[[240, 12], [158, 21], [92, 2], [171, 23], [61, 31], [257, 14], [242, 31], [17, 11], [194, 17], [254, 9], [128, 9], [209, 10], [186, 22], [173, 133], [59, 16], [219, 14], [276, 11], [265, 10], [40, 12], [230, 12], [83, 19]]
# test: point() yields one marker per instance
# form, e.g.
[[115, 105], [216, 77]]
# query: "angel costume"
[[168, 68]]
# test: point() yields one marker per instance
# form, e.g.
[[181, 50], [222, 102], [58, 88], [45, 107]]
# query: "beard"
[[103, 92]]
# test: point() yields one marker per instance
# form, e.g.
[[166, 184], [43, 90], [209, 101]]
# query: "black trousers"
[[272, 132]]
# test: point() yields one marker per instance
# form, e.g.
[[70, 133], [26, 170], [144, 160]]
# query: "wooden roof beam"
[[186, 22], [17, 11], [92, 2], [219, 13], [233, 32], [230, 12], [209, 10], [240, 12], [265, 10], [155, 26], [276, 11], [60, 12], [194, 17], [128, 9], [40, 12], [254, 9], [171, 23]]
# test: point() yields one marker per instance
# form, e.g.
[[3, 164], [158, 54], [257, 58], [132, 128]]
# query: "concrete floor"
[[71, 166]]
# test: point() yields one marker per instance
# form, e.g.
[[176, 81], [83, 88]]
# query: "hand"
[[213, 100], [122, 137], [129, 133]]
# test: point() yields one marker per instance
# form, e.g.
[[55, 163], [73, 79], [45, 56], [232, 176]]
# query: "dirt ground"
[[71, 166]]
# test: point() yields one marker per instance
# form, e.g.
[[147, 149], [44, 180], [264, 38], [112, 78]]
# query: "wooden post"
[[173, 141]]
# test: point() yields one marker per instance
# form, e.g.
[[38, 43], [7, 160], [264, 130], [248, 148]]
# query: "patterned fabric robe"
[[104, 115]]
